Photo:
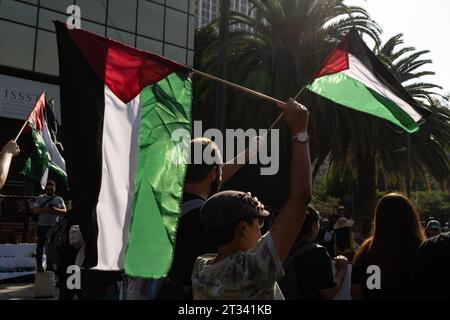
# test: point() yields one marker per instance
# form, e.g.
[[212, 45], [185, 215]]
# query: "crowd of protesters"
[[222, 253]]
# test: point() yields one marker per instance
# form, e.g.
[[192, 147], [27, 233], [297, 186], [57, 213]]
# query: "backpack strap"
[[190, 206]]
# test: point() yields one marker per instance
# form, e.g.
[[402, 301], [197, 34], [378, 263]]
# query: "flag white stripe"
[[44, 178], [52, 150], [359, 71], [120, 148]]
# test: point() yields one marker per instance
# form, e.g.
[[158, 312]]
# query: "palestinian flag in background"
[[45, 155], [354, 77], [120, 106]]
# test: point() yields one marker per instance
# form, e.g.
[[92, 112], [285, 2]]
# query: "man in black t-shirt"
[[431, 274], [313, 264]]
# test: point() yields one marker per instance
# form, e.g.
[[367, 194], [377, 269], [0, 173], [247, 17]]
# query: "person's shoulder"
[[205, 258], [191, 196], [315, 253], [321, 250], [41, 197], [264, 247], [201, 262], [442, 239]]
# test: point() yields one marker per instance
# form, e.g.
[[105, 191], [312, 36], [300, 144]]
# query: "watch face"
[[302, 137]]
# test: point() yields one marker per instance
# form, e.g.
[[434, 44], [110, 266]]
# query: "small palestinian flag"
[[46, 155], [354, 77], [120, 106]]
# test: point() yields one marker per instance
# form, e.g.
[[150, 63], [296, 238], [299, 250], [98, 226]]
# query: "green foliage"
[[327, 206], [436, 204]]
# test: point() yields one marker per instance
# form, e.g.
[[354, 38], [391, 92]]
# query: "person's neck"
[[227, 250], [198, 189]]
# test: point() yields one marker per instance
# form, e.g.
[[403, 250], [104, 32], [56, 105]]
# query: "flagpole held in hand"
[[26, 120], [21, 130], [281, 115]]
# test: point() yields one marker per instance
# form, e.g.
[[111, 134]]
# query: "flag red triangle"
[[336, 62], [36, 117], [124, 69]]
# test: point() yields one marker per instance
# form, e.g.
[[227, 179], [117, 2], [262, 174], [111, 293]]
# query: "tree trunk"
[[366, 184]]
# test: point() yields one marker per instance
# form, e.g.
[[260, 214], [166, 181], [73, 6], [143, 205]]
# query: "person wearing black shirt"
[[431, 272], [313, 264]]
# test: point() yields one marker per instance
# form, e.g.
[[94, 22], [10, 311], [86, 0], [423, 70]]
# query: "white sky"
[[425, 25]]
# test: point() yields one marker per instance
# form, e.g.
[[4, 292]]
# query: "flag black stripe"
[[82, 111], [360, 50]]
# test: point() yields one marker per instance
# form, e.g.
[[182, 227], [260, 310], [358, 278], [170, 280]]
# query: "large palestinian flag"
[[354, 77], [45, 156], [120, 107]]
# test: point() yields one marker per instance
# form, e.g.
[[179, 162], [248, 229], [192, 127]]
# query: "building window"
[[175, 28], [94, 10], [124, 37], [16, 45], [175, 53], [46, 53], [58, 5], [122, 14], [151, 20], [149, 45], [177, 4], [19, 12]]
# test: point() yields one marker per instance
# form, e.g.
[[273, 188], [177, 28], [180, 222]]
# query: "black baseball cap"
[[227, 207]]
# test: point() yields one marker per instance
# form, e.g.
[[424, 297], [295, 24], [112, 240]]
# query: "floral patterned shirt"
[[243, 275]]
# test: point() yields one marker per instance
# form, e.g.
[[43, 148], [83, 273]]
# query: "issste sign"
[[18, 96]]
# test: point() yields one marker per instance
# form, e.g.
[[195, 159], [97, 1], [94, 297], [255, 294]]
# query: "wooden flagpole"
[[279, 103]]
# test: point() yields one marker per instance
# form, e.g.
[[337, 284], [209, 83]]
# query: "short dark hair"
[[49, 181], [197, 172], [224, 234], [312, 216]]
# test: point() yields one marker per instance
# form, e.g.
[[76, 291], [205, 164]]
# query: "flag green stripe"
[[37, 162], [57, 170], [165, 107], [352, 93]]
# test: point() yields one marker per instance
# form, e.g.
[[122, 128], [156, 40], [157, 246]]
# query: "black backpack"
[[170, 289], [289, 283], [57, 246]]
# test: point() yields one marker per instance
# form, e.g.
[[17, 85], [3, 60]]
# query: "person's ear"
[[212, 174], [242, 230], [317, 226]]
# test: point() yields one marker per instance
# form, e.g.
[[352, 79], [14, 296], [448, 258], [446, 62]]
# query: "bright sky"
[[425, 25]]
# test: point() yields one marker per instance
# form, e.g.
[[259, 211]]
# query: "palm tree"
[[284, 44]]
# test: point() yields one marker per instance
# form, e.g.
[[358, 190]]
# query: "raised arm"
[[288, 223], [230, 168], [9, 150]]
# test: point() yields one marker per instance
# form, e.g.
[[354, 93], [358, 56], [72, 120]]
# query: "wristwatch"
[[301, 137]]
